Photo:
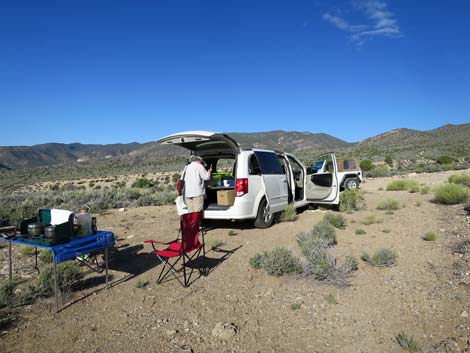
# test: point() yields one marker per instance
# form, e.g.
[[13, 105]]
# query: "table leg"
[[106, 264], [10, 270], [36, 254], [55, 283]]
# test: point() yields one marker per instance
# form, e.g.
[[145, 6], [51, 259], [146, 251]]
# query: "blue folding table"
[[76, 247]]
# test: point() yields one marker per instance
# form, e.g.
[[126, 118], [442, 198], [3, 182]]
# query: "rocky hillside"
[[450, 140]]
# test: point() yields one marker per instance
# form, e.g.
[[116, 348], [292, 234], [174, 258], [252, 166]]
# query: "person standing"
[[194, 188]]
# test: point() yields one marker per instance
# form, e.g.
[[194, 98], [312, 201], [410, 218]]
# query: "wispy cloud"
[[380, 22]]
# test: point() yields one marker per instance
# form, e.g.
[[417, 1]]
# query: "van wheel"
[[264, 218], [351, 184]]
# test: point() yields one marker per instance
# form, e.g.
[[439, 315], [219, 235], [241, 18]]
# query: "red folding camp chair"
[[181, 248]]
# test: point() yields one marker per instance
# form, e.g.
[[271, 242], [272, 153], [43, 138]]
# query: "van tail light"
[[179, 187], [241, 187]]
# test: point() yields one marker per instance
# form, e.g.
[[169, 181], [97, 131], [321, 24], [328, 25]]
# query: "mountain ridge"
[[400, 142]]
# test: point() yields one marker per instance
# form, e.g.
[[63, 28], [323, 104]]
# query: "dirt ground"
[[239, 309]]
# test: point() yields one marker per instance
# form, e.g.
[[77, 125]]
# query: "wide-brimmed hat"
[[194, 158]]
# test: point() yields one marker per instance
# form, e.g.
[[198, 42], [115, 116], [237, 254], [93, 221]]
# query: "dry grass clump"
[[462, 179], [276, 262], [289, 214], [430, 236], [336, 220], [389, 204], [406, 184], [372, 219], [382, 258], [425, 190], [360, 231], [450, 194]]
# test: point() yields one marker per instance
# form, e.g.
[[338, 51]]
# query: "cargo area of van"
[[220, 190]]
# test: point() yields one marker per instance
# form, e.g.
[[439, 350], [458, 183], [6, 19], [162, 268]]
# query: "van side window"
[[269, 163], [253, 166]]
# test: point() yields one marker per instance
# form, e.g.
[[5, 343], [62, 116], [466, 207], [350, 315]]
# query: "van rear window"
[[269, 163]]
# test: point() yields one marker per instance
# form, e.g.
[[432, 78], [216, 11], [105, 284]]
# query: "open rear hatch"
[[203, 142]]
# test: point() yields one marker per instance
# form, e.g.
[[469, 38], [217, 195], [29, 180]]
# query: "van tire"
[[264, 217], [351, 184]]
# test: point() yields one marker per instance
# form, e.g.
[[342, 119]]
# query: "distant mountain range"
[[453, 140]]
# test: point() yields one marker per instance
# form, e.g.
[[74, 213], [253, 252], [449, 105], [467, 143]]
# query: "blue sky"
[[113, 71]]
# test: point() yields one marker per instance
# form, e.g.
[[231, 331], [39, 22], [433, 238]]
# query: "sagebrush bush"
[[450, 194], [406, 184], [277, 262], [360, 231], [336, 220], [289, 214], [389, 204], [349, 200], [322, 233], [463, 179], [382, 258]]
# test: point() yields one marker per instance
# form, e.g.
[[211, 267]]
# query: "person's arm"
[[204, 174]]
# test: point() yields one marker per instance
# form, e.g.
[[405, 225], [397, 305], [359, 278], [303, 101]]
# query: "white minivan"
[[255, 183]]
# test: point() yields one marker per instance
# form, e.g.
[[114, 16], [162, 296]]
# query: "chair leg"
[[184, 272]]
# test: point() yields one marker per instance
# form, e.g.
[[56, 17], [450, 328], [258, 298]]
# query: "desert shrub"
[[450, 194], [372, 219], [349, 200], [444, 160], [45, 256], [232, 232], [142, 183], [360, 231], [7, 293], [350, 264], [175, 177], [379, 172], [336, 220], [389, 160], [389, 204], [324, 232], [463, 179], [382, 258], [405, 184], [408, 343], [331, 298], [366, 165], [257, 261], [277, 262], [432, 168], [289, 214], [430, 236], [425, 190], [68, 273]]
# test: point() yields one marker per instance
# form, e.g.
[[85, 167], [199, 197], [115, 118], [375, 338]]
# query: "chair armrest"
[[150, 241]]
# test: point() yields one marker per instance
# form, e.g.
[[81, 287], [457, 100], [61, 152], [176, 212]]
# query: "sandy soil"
[[420, 296]]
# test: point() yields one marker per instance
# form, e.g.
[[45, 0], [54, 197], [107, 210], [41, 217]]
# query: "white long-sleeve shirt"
[[194, 179]]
